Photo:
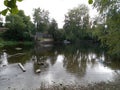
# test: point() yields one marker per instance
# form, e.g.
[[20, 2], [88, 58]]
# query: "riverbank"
[[95, 86], [10, 43]]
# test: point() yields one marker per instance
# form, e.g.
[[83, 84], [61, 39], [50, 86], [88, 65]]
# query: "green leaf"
[[4, 12], [6, 2], [90, 1], [19, 0], [14, 10], [12, 4]]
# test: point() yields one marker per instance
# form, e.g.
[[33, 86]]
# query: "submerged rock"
[[41, 63], [18, 48], [38, 71]]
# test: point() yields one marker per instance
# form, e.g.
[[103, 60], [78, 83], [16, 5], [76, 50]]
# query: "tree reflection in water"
[[75, 59], [84, 62], [3, 59]]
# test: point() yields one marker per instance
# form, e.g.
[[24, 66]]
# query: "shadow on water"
[[80, 63], [15, 56]]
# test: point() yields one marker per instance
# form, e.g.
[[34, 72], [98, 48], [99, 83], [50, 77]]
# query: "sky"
[[56, 8]]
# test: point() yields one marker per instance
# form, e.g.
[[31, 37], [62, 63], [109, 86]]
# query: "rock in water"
[[41, 63], [38, 71], [18, 48]]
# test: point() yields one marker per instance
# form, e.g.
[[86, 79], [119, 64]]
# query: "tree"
[[14, 22], [29, 26], [57, 34], [41, 19], [53, 27], [77, 23], [18, 27], [110, 12]]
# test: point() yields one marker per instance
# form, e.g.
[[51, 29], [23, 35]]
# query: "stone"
[[18, 48], [38, 71]]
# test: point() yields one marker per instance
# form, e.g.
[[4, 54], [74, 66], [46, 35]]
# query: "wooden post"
[[21, 66]]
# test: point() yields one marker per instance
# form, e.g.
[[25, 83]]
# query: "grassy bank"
[[10, 43]]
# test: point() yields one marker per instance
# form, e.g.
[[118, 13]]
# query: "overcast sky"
[[57, 8]]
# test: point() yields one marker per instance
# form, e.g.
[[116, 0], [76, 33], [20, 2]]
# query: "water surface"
[[80, 64]]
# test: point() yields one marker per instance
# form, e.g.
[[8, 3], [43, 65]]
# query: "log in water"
[[21, 66]]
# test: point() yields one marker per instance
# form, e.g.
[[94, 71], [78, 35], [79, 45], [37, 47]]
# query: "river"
[[81, 64]]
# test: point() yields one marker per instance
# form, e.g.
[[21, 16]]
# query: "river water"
[[81, 64]]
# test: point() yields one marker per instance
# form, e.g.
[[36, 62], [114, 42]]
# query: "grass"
[[10, 43]]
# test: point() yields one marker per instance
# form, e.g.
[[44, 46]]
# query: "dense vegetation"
[[20, 27], [77, 25], [109, 32]]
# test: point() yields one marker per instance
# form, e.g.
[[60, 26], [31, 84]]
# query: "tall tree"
[[110, 12], [56, 33], [53, 27], [41, 19], [18, 26], [77, 22], [29, 26]]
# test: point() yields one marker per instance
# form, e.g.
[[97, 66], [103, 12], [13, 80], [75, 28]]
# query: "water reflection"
[[3, 59], [76, 64]]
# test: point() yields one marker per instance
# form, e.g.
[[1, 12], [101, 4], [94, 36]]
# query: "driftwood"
[[17, 54], [38, 71], [21, 66]]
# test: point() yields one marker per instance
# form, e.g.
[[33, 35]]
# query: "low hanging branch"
[[11, 6]]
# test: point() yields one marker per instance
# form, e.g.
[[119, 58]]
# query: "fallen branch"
[[21, 66], [9, 56]]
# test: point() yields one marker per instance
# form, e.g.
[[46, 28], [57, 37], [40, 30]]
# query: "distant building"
[[43, 38]]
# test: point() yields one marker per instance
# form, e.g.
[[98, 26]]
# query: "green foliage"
[[13, 35], [53, 29], [11, 43], [41, 19], [1, 24], [90, 1], [11, 6], [59, 35], [105, 5], [110, 37], [77, 23], [4, 12], [14, 22], [1, 42], [20, 27]]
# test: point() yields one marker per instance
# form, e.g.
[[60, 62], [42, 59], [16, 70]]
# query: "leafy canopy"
[[11, 6], [109, 11], [20, 27], [77, 23]]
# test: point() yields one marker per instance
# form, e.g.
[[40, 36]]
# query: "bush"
[[16, 35]]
